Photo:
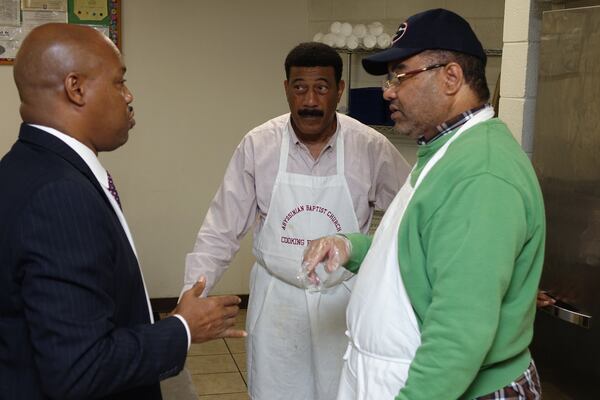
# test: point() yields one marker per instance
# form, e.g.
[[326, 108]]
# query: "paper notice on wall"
[[10, 40], [10, 13], [35, 18], [50, 5], [7, 49], [90, 10]]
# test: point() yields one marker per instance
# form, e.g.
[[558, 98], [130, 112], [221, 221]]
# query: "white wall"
[[202, 73], [9, 109]]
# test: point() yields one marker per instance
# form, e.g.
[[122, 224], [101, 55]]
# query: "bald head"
[[63, 73], [48, 54]]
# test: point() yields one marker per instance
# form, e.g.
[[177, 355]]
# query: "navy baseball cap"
[[436, 29]]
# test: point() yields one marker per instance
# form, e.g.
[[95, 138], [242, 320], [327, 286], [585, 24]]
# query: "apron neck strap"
[[285, 148]]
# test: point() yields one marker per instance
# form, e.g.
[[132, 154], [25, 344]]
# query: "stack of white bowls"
[[342, 35]]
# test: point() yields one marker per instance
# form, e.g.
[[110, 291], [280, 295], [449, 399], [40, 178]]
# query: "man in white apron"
[[444, 303], [299, 176]]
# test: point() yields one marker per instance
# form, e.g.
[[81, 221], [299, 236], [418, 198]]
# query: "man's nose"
[[128, 95], [389, 93], [310, 100]]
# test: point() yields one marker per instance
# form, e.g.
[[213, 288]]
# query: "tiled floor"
[[218, 368]]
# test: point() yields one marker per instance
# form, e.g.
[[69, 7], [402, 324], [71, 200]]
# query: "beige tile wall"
[[519, 69]]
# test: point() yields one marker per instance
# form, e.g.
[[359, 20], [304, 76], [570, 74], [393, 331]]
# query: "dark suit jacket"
[[73, 314]]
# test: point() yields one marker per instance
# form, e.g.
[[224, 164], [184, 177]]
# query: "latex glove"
[[331, 250]]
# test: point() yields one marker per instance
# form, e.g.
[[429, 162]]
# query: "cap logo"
[[401, 31]]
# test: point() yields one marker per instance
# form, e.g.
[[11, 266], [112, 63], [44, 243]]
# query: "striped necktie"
[[113, 190]]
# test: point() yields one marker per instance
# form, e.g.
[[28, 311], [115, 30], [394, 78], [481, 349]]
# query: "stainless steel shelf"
[[488, 52], [357, 51]]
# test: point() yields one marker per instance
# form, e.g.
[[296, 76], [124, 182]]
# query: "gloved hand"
[[332, 250]]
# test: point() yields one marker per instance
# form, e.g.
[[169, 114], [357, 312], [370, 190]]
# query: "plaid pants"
[[526, 387]]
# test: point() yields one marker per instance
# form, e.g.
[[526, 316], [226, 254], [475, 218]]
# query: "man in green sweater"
[[444, 303]]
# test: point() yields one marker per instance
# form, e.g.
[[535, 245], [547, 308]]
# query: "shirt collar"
[[88, 156], [452, 124], [332, 140]]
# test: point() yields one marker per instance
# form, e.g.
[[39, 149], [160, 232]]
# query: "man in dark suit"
[[75, 321]]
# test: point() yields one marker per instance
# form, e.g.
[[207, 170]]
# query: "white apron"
[[296, 337], [382, 327]]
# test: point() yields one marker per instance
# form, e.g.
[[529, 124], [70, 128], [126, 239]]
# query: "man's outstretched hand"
[[210, 317]]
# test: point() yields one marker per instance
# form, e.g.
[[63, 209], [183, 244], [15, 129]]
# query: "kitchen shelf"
[[388, 131], [488, 52]]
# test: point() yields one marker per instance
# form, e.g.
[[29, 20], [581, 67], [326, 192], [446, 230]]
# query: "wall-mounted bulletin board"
[[19, 17]]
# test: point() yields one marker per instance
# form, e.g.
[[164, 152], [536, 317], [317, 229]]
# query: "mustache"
[[310, 112]]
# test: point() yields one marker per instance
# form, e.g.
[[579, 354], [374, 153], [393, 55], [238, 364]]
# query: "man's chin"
[[310, 129], [405, 131], [114, 145]]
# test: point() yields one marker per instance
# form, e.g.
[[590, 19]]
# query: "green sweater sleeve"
[[360, 245], [471, 244]]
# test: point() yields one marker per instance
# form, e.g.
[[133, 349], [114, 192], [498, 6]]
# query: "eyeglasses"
[[399, 78]]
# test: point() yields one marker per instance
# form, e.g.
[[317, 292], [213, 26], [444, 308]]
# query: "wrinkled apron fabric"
[[296, 337]]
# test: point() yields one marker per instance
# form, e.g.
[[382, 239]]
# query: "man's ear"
[[340, 89], [453, 78], [74, 88]]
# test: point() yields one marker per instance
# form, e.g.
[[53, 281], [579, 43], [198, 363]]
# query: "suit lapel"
[[40, 138]]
